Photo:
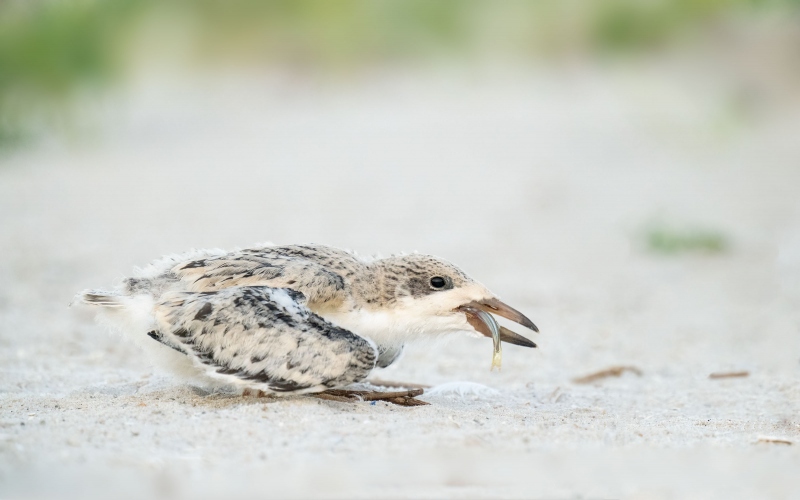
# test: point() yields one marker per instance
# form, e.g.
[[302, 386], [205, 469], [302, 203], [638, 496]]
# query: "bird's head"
[[423, 295]]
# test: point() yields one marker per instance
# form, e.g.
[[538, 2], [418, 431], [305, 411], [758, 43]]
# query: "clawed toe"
[[258, 393]]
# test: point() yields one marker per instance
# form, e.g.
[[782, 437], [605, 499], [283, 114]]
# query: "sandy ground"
[[539, 185]]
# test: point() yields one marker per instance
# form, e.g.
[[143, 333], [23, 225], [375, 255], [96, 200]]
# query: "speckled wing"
[[262, 338]]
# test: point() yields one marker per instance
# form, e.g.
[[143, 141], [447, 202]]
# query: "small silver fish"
[[480, 317], [497, 354]]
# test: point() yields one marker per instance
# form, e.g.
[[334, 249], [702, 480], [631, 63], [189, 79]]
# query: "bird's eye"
[[438, 282]]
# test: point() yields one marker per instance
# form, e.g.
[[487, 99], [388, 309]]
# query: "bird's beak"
[[494, 306]]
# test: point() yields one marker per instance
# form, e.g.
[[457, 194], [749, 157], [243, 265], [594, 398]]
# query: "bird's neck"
[[374, 288], [370, 309]]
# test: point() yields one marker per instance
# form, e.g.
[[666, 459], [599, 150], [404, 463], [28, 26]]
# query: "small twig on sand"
[[729, 374], [390, 383], [614, 371], [774, 440]]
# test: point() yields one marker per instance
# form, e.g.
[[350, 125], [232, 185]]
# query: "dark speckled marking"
[[181, 332], [204, 312], [286, 386], [194, 264], [158, 337]]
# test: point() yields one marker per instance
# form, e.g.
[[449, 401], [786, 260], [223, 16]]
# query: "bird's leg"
[[385, 396], [402, 398], [332, 397], [393, 384]]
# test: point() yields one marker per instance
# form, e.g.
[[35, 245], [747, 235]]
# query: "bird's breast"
[[382, 327]]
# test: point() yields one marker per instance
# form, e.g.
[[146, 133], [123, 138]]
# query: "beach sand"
[[546, 188]]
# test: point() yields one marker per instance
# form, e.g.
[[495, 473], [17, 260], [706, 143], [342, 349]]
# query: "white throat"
[[396, 327]]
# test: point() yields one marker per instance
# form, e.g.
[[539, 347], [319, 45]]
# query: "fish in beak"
[[479, 315]]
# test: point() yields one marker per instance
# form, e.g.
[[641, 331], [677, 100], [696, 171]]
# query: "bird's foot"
[[401, 398], [258, 393]]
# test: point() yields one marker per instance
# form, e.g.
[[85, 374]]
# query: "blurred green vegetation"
[[632, 25], [49, 50], [670, 241]]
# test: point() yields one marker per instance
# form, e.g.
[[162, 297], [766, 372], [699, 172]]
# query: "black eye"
[[438, 282]]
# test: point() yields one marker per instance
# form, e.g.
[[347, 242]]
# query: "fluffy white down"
[[282, 298], [133, 321], [167, 262]]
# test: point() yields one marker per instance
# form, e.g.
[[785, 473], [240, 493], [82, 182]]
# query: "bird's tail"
[[102, 298]]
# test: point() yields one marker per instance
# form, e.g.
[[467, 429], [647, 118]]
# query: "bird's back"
[[317, 271]]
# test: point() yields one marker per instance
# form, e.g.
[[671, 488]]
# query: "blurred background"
[[625, 172], [61, 60]]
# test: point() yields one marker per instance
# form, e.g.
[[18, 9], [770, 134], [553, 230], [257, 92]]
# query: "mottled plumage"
[[297, 318]]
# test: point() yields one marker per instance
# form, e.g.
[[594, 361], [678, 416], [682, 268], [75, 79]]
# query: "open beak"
[[485, 324]]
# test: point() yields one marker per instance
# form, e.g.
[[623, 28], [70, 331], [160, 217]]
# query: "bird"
[[296, 319]]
